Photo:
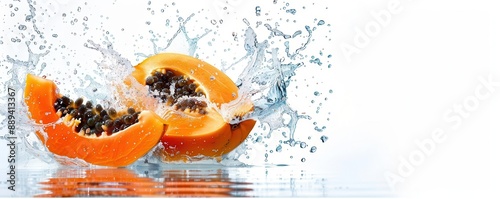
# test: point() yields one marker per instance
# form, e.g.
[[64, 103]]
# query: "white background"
[[396, 90]]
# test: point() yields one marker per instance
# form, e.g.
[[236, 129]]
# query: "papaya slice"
[[196, 128], [98, 136]]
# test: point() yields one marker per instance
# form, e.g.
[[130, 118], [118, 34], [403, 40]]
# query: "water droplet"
[[303, 145], [257, 11], [85, 18], [28, 18], [279, 148], [317, 93], [212, 78], [320, 129], [324, 138], [213, 22], [321, 22], [330, 91], [79, 9], [297, 33], [303, 160], [316, 61], [313, 149], [54, 35], [291, 11], [64, 14], [22, 27]]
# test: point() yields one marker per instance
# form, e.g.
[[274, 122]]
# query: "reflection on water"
[[189, 181], [125, 182]]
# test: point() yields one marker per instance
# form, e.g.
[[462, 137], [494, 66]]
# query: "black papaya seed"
[[82, 109], [98, 126], [98, 108], [66, 101], [88, 105], [106, 117], [91, 122], [89, 114], [108, 123], [78, 102], [112, 112], [103, 113], [149, 81], [128, 119], [58, 102]]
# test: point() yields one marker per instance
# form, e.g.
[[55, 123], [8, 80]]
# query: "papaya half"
[[80, 130], [195, 90]]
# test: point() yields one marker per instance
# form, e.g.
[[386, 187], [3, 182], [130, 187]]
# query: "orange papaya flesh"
[[121, 147], [195, 129]]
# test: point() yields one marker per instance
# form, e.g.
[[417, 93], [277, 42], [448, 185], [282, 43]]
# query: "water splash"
[[26, 142], [267, 68]]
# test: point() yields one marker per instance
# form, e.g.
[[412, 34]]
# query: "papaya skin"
[[117, 150], [190, 134]]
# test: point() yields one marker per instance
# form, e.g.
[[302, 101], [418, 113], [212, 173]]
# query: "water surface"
[[190, 181]]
